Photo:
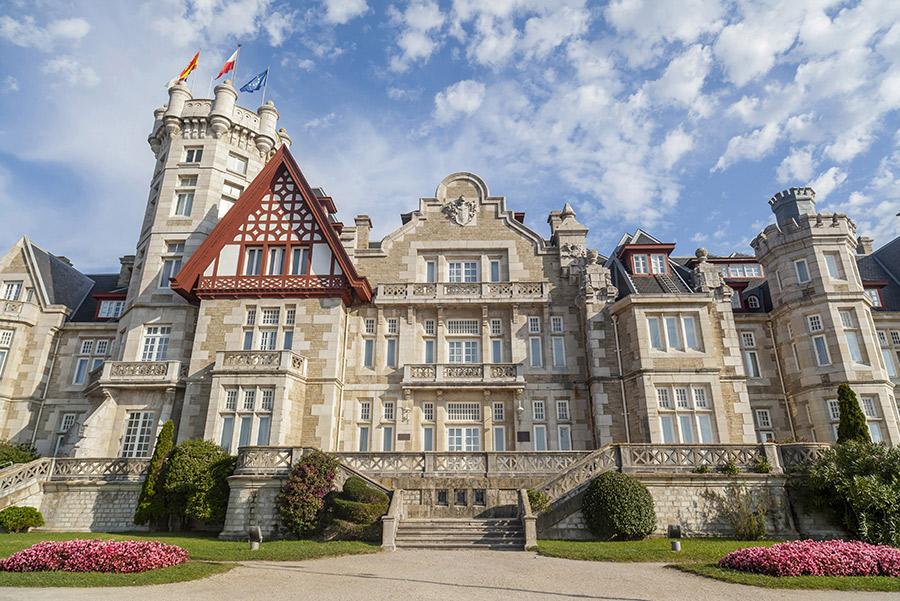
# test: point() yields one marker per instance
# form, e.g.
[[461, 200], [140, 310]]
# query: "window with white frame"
[[369, 353], [691, 419], [369, 326], [430, 271], [873, 419], [184, 195], [463, 351], [889, 362], [253, 260], [802, 270], [230, 195], [834, 409], [868, 406], [820, 351], [833, 265], [363, 446], [464, 439], [365, 411], [275, 261], [495, 270], [430, 327], [658, 263], [674, 332], [387, 411], [193, 154], [874, 296], [111, 309], [882, 338], [564, 432], [140, 426], [428, 412], [66, 421], [535, 352], [556, 324], [12, 290], [290, 316], [748, 340], [562, 410], [559, 351], [499, 413], [248, 422], [393, 326], [751, 363], [763, 419], [300, 260], [496, 350], [752, 302], [171, 262], [390, 355], [92, 352], [540, 437], [814, 323], [640, 264], [237, 163], [895, 337], [463, 412], [429, 350], [463, 326], [538, 411], [428, 438], [534, 325], [499, 436], [156, 343], [496, 327], [463, 271], [852, 334]]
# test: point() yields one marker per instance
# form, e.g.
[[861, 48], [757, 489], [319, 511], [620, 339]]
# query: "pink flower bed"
[[94, 556], [816, 558]]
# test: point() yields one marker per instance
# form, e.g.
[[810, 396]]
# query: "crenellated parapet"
[[804, 226]]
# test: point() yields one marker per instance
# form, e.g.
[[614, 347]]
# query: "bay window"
[[691, 418], [253, 416], [677, 332]]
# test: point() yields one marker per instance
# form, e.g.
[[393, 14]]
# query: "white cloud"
[[797, 167], [753, 146], [305, 64], [342, 11], [676, 144], [462, 98], [682, 81], [547, 32], [395, 93], [27, 34], [72, 71], [827, 181], [10, 85], [320, 122], [279, 26], [420, 23]]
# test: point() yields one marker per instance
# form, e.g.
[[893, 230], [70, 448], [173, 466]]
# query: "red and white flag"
[[229, 64]]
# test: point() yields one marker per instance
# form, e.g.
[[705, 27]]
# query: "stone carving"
[[461, 211], [122, 369], [573, 250], [707, 277], [597, 280]]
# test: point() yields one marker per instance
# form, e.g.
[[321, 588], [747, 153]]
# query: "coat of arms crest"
[[461, 211]]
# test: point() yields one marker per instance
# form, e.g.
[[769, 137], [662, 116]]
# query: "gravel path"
[[443, 575]]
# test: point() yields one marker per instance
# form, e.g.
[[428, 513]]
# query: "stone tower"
[[821, 317], [207, 152]]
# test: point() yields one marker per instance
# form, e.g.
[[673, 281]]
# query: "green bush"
[[859, 482], [701, 469], [301, 500], [743, 510], [20, 519], [356, 511], [151, 507], [356, 489], [618, 507], [16, 452], [538, 500], [344, 530], [761, 465], [852, 426], [730, 468], [195, 482]]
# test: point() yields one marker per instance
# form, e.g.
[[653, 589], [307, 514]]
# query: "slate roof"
[[64, 284], [884, 264], [104, 283]]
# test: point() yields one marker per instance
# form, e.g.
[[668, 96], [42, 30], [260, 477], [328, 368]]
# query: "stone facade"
[[266, 321]]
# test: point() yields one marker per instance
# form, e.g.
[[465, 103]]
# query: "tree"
[[196, 481], [853, 423], [151, 507], [302, 497]]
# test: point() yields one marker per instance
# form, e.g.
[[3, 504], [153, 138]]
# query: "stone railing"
[[19, 311], [260, 361], [137, 373], [655, 457], [602, 460], [101, 469], [481, 374], [20, 475], [407, 292], [796, 456], [523, 463]]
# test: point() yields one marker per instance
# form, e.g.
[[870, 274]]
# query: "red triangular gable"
[[277, 240]]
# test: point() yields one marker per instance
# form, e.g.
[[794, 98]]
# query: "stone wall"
[[90, 506]]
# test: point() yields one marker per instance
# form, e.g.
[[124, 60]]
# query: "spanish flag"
[[187, 71]]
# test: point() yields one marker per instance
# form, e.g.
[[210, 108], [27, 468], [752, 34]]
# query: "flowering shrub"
[[816, 558], [302, 498], [94, 556]]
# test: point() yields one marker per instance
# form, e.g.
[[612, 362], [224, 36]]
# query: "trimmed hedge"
[[195, 482], [618, 507], [355, 512], [20, 519], [151, 507], [16, 452]]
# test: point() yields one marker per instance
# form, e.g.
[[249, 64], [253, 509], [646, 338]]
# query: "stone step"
[[459, 535], [453, 546]]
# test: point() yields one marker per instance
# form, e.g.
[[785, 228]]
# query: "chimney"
[[126, 267], [864, 245], [363, 227], [554, 220], [64, 259]]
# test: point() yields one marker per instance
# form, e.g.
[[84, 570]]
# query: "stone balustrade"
[[480, 374], [480, 292], [141, 374], [100, 470], [260, 362], [21, 311], [22, 474]]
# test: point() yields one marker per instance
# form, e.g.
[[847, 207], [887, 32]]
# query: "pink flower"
[[94, 556], [816, 558]]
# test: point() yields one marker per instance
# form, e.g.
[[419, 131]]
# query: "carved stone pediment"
[[461, 211]]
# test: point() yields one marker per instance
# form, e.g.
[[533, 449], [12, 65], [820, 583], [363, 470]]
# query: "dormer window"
[[658, 263], [640, 264]]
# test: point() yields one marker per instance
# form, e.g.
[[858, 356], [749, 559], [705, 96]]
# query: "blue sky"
[[679, 117]]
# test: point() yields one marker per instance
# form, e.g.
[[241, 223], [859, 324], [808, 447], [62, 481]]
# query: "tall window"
[[156, 343], [820, 349], [534, 325], [674, 332], [802, 271], [248, 422], [253, 261], [562, 411], [6, 337], [91, 354], [171, 262], [852, 333], [184, 195], [237, 163], [640, 264], [275, 261], [12, 290], [690, 420], [430, 271], [559, 351], [564, 432], [764, 425], [140, 427], [463, 271], [387, 411], [538, 411], [751, 358], [463, 351], [496, 350], [540, 437], [300, 261], [495, 270], [833, 264], [66, 421], [535, 352]]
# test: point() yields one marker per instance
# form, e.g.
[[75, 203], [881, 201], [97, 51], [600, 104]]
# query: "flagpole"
[[266, 85], [234, 77]]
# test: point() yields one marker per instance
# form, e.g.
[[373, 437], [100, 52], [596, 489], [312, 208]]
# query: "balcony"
[[138, 374], [405, 293], [21, 311], [260, 362], [480, 375]]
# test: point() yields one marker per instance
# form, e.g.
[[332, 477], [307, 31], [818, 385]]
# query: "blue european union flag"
[[256, 83]]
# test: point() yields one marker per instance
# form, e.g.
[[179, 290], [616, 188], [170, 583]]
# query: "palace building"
[[249, 315]]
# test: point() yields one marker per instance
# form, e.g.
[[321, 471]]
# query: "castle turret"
[[789, 204]]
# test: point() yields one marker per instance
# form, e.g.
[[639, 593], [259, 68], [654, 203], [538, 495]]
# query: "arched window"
[[753, 302]]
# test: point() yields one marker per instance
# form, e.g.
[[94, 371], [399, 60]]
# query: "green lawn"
[[836, 583], [705, 550], [203, 549]]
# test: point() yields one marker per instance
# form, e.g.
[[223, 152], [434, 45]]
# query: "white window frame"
[[535, 351], [193, 154], [563, 413], [556, 324], [496, 327], [558, 344], [138, 436], [797, 271], [751, 364], [564, 437], [237, 163], [763, 419], [819, 349], [388, 412], [464, 351], [463, 412], [538, 410], [155, 342], [543, 446], [641, 264]]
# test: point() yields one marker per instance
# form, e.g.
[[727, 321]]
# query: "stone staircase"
[[495, 533]]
